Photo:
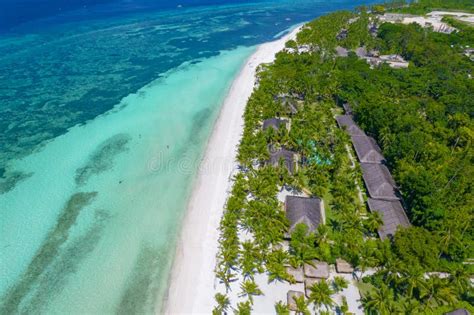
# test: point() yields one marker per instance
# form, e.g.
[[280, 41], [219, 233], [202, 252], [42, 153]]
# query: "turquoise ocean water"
[[104, 114]]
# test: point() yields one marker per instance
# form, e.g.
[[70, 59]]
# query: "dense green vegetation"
[[425, 6], [421, 116]]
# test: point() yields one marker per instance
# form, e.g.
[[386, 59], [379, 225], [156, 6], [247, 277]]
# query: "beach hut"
[[341, 51], [346, 122], [304, 210], [308, 284], [394, 61], [343, 266], [296, 273], [342, 34], [459, 311], [316, 269], [379, 181], [367, 149], [290, 299], [274, 123], [361, 52], [392, 214], [288, 157], [288, 102]]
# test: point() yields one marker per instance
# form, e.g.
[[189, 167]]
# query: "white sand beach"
[[192, 282]]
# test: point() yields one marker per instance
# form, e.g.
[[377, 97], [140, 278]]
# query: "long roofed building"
[[367, 149], [392, 214], [380, 185], [379, 181], [346, 122]]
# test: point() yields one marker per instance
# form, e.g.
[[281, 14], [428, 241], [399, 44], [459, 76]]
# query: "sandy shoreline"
[[192, 281]]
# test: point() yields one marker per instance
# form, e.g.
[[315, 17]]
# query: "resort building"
[[361, 52], [342, 52], [343, 266], [373, 30], [378, 181], [342, 34], [393, 17], [308, 284], [286, 156], [394, 61], [367, 149], [316, 269], [296, 273], [432, 20], [308, 211], [274, 123], [459, 311], [290, 299], [392, 214], [289, 103], [346, 122]]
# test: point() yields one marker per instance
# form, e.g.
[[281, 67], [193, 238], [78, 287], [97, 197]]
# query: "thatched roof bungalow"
[[289, 102], [288, 157], [394, 61], [316, 269], [361, 52], [373, 30], [379, 181], [392, 214], [342, 34], [346, 122], [290, 299], [343, 266], [367, 149], [308, 284], [274, 123], [304, 210], [342, 52], [296, 273], [459, 311]]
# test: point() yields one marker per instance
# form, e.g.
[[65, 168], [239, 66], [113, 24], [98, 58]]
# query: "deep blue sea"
[[99, 103]]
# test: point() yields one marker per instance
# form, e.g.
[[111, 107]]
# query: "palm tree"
[[250, 289], [412, 278], [223, 304], [339, 284], [322, 234], [460, 279], [344, 308], [437, 292], [225, 277], [243, 308], [281, 308], [321, 294], [380, 301], [374, 221], [410, 306], [301, 305]]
